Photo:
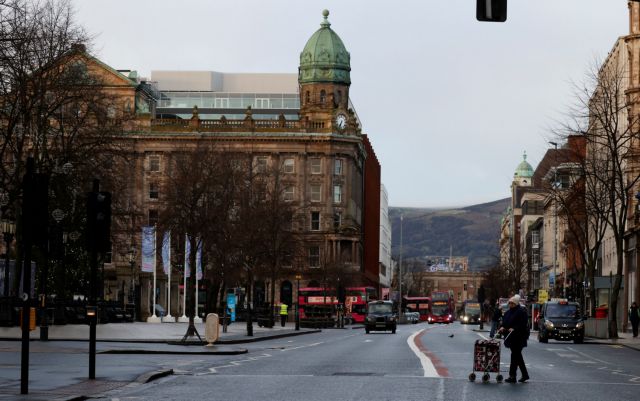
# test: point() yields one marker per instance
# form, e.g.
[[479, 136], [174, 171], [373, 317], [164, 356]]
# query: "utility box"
[[212, 329]]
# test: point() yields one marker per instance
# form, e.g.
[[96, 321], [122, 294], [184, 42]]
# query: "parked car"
[[380, 316], [412, 317]]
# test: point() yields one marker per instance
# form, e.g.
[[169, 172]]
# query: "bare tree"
[[603, 115], [54, 106]]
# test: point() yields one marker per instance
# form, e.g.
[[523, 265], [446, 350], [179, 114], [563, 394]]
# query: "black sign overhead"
[[491, 10]]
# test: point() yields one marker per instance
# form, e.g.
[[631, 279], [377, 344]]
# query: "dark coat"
[[497, 314], [633, 315], [516, 319]]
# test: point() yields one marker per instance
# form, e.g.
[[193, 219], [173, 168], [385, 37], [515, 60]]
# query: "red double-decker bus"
[[356, 299], [421, 305], [442, 307]]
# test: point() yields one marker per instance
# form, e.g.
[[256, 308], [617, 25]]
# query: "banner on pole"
[[199, 259], [148, 248], [187, 255], [166, 252]]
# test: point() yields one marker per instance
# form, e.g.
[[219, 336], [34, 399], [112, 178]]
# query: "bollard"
[[212, 329]]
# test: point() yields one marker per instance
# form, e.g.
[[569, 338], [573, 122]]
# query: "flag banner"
[[199, 260], [148, 248], [187, 255], [166, 252]]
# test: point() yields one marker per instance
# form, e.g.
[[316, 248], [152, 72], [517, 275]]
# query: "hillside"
[[471, 231]]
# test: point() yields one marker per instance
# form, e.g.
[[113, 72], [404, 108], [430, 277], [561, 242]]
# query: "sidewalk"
[[624, 339], [140, 332], [58, 368]]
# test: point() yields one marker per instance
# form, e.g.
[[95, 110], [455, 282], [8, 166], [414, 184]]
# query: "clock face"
[[341, 121]]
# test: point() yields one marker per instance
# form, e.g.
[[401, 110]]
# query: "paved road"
[[350, 365]]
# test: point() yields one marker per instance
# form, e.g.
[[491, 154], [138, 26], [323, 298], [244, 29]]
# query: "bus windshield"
[[440, 310]]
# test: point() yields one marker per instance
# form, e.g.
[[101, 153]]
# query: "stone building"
[[329, 166]]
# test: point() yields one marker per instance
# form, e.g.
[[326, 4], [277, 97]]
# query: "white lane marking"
[[483, 336], [427, 365], [300, 346], [565, 355], [588, 356], [582, 361], [368, 341]]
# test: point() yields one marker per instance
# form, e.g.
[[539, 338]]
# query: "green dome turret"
[[524, 169], [324, 57]]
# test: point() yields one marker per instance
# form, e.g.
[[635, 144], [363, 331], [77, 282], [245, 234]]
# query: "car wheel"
[[578, 340], [393, 330], [366, 330]]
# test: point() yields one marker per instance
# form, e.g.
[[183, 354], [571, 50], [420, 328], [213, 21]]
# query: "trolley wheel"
[[472, 377], [485, 377], [499, 378]]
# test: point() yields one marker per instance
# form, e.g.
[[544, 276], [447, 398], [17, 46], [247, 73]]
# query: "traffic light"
[[491, 10], [99, 221]]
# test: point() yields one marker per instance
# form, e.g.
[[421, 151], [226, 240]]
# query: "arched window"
[[307, 97], [323, 96], [339, 97]]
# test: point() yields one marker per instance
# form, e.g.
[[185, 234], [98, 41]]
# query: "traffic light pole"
[[28, 189], [93, 298]]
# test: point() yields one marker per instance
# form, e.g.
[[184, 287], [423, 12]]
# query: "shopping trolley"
[[486, 359]]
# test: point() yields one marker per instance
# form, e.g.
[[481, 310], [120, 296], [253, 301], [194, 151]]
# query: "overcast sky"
[[450, 104]]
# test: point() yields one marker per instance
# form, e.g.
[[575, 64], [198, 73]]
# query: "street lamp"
[[132, 262], [8, 230], [298, 277], [555, 217], [400, 271]]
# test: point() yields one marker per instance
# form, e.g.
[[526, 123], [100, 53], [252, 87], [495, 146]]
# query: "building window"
[[323, 96], [153, 217], [316, 165], [337, 167], [153, 190], [307, 97], [337, 220], [154, 163], [337, 193], [315, 221], [289, 193], [314, 256], [316, 193], [288, 166], [261, 164]]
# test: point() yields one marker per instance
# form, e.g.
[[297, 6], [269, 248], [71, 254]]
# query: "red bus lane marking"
[[437, 363]]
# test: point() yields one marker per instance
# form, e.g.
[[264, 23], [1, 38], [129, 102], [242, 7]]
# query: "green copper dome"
[[324, 58], [524, 169]]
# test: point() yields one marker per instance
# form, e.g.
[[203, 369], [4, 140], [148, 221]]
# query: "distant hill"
[[472, 231]]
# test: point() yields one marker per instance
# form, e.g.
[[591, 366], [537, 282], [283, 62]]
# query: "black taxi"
[[561, 320]]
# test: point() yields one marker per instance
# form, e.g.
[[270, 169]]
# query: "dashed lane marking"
[[582, 361]]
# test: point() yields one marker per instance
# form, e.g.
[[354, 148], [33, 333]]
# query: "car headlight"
[[449, 316], [548, 324], [579, 325], [466, 318], [392, 319]]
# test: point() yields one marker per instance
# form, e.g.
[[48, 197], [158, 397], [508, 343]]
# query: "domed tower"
[[524, 173], [324, 79]]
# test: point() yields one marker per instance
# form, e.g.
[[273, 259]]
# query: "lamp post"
[[132, 298], [8, 230], [555, 218], [400, 271], [298, 277]]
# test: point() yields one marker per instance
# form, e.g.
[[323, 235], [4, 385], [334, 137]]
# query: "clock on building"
[[341, 121]]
